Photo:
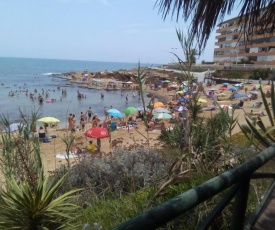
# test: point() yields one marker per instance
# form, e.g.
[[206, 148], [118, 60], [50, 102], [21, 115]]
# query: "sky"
[[93, 30]]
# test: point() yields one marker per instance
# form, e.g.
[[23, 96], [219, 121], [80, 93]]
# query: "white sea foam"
[[49, 74]]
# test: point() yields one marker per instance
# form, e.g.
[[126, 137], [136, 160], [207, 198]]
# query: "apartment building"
[[231, 47]]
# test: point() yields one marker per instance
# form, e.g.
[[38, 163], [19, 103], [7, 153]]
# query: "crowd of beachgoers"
[[169, 101]]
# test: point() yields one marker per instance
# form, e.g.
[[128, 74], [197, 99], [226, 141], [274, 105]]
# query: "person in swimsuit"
[[89, 112]]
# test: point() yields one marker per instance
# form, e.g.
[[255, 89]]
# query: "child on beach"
[[91, 147]]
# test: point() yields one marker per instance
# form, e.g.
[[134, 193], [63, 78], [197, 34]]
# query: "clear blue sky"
[[95, 30]]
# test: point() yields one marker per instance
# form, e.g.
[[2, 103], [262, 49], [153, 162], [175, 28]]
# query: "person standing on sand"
[[69, 121], [95, 121], [82, 124], [106, 112], [82, 117], [73, 123]]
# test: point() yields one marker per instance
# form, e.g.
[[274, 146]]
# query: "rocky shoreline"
[[152, 76]]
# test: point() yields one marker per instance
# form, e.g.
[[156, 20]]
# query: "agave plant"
[[28, 200], [261, 135], [25, 208]]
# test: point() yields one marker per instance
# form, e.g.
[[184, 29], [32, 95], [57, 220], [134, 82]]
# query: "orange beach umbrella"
[[159, 105]]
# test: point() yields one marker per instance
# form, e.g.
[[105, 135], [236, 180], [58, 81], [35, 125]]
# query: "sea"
[[20, 74]]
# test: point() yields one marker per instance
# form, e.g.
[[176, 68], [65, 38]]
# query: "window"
[[262, 58]]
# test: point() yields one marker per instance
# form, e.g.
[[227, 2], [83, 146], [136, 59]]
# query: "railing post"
[[240, 204]]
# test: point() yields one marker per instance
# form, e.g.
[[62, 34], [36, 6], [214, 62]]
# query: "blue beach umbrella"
[[225, 83], [113, 111], [238, 85], [184, 100], [240, 95], [119, 115], [232, 89]]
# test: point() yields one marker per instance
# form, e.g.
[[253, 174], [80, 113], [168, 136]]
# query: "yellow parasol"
[[48, 120]]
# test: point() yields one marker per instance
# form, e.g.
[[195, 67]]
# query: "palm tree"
[[206, 13]]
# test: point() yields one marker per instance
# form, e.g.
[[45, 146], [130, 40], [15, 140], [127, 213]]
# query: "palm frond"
[[267, 107], [264, 129], [261, 138]]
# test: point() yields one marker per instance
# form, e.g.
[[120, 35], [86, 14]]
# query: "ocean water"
[[19, 74]]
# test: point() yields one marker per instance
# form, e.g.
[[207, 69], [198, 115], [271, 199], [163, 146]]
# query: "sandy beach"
[[137, 136]]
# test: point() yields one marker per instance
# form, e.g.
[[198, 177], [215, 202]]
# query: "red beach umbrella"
[[223, 88], [97, 132]]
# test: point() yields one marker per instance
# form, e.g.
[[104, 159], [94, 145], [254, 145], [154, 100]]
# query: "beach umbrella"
[[12, 127], [180, 92], [212, 89], [166, 81], [225, 83], [159, 105], [161, 110], [117, 114], [240, 95], [97, 132], [223, 88], [184, 100], [232, 89], [162, 116], [181, 108], [254, 92], [48, 120], [238, 85], [130, 110], [202, 100], [113, 111]]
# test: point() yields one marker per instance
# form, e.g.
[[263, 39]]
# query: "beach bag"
[[46, 140]]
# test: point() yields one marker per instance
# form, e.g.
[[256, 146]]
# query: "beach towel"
[[64, 156]]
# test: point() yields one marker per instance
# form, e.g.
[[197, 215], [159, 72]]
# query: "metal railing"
[[238, 179]]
